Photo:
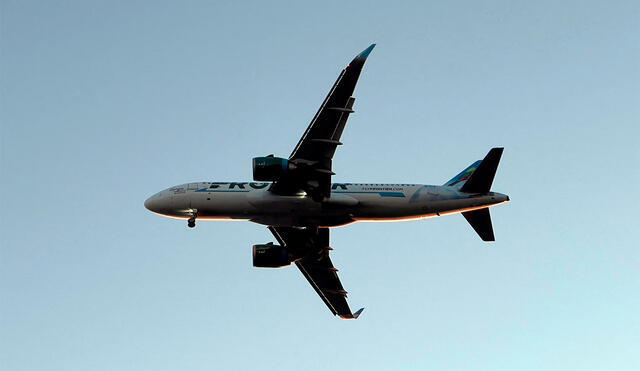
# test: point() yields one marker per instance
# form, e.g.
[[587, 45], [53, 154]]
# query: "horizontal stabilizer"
[[480, 220], [482, 178]]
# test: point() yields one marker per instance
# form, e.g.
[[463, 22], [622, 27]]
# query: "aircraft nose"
[[157, 203], [150, 204]]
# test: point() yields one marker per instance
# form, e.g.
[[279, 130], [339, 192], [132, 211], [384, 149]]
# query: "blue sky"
[[102, 104]]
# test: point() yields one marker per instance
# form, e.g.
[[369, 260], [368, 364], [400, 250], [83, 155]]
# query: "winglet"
[[357, 313], [359, 60], [352, 316], [365, 53]]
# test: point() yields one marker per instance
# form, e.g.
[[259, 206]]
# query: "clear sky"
[[104, 103]]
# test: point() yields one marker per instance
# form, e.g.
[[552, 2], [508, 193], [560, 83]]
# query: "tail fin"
[[481, 179], [478, 179], [480, 220]]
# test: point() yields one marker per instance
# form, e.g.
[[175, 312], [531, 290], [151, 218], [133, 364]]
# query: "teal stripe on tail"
[[459, 180]]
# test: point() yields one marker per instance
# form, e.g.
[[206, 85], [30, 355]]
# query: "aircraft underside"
[[296, 199]]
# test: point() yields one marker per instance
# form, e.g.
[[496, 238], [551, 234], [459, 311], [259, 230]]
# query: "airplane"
[[295, 198]]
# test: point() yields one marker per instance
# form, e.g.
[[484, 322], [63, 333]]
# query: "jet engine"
[[270, 256], [269, 169]]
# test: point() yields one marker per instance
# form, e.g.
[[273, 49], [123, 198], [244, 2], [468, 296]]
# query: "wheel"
[[191, 223]]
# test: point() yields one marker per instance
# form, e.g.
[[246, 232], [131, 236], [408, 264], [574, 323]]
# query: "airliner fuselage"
[[348, 203]]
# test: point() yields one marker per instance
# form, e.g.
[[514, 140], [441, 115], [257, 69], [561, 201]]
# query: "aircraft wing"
[[315, 150], [311, 247]]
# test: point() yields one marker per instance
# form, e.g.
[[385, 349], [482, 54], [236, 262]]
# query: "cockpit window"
[[179, 189]]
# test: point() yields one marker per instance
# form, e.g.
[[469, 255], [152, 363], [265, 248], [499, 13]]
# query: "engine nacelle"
[[270, 256], [270, 169]]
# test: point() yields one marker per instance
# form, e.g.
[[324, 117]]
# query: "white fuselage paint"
[[349, 202]]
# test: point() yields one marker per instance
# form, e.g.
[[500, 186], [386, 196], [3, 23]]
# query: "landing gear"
[[191, 223]]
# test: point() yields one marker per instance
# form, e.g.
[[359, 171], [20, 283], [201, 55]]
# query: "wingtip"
[[352, 316], [365, 53], [359, 311]]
